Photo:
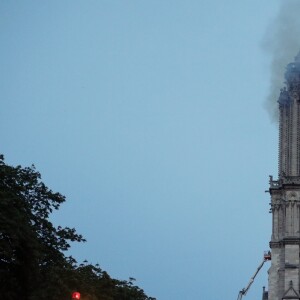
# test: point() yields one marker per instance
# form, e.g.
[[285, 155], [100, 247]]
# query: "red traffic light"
[[76, 295]]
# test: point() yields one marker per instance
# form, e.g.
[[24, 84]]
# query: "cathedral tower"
[[284, 277]]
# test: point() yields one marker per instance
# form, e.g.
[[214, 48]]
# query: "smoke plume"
[[282, 44]]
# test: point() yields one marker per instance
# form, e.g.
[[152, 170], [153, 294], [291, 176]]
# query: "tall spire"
[[289, 122], [297, 57], [284, 273]]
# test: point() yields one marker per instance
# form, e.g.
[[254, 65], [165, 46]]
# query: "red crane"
[[243, 292]]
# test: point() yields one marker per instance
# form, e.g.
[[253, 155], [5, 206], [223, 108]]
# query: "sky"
[[149, 116]]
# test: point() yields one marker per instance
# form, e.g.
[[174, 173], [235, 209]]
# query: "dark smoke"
[[282, 44]]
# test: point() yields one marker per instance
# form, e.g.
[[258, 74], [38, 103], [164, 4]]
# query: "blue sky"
[[149, 116]]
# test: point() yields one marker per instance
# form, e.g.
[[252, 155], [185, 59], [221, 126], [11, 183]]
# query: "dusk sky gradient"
[[149, 117]]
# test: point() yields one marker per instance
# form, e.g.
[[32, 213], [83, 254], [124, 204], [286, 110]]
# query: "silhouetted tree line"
[[33, 263]]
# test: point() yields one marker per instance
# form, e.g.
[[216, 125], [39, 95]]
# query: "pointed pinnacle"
[[297, 57]]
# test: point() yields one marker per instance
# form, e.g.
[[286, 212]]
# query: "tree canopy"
[[33, 252]]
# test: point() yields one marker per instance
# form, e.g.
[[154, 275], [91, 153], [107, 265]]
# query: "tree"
[[33, 261], [30, 246]]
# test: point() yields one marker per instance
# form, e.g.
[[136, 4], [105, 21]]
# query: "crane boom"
[[242, 292]]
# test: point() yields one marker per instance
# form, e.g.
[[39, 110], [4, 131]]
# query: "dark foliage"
[[33, 264]]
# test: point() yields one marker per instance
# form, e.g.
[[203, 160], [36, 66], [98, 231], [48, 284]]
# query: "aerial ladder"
[[243, 292]]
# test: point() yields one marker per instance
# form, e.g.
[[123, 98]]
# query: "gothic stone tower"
[[284, 277]]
